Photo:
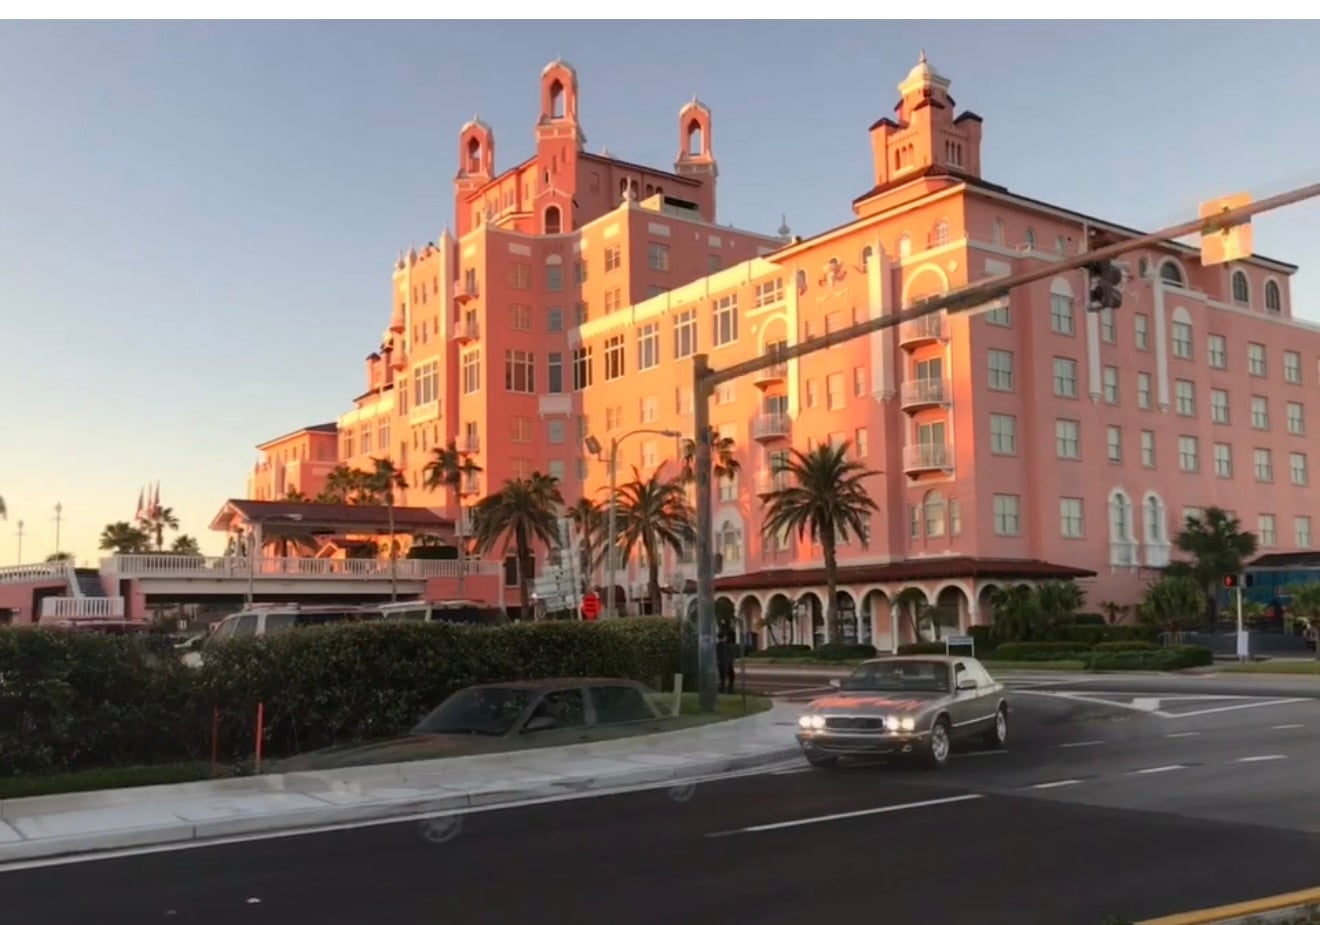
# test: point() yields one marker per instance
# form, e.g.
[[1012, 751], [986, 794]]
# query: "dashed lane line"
[[1253, 758], [1050, 785], [1161, 769], [1080, 744], [835, 817], [1180, 735], [1289, 726]]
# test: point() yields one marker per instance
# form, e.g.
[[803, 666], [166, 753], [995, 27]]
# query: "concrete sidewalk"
[[78, 823]]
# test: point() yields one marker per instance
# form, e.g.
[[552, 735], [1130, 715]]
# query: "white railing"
[[927, 327], [925, 392], [928, 456], [468, 443], [772, 425], [37, 571], [1123, 554], [61, 608], [237, 567], [775, 373], [466, 330], [1157, 554]]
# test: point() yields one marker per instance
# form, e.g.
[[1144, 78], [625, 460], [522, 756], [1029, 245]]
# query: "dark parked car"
[[504, 717]]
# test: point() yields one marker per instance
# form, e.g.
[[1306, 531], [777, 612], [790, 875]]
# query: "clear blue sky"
[[197, 221]]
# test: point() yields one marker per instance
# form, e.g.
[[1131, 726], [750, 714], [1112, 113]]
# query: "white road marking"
[[834, 817], [1161, 769], [995, 751], [1236, 706], [1149, 704], [1252, 758], [792, 771], [1054, 783], [1289, 726], [1081, 744], [1181, 735], [801, 690]]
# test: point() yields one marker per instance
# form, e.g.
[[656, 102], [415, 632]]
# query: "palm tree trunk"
[[831, 585], [653, 581], [523, 551], [394, 552]]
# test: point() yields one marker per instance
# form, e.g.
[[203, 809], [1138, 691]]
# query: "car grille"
[[855, 723]]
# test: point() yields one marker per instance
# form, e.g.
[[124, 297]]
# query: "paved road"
[[1106, 803]]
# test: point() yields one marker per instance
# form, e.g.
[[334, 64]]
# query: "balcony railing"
[[925, 392], [464, 290], [63, 608], [237, 567], [924, 329], [465, 331], [37, 571], [768, 483], [926, 456], [469, 443], [771, 375], [772, 426]]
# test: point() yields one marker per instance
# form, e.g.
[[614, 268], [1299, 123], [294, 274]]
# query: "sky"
[[198, 220]]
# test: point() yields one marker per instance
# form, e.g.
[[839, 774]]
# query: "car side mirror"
[[539, 724], [836, 683], [967, 684]]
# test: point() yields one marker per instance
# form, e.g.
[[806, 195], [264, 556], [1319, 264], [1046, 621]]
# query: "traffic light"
[[1104, 279], [1237, 581]]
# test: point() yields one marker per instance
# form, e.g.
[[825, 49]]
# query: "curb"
[[381, 812], [1266, 909]]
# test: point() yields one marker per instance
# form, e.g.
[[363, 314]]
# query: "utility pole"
[[19, 534], [59, 518], [1211, 226]]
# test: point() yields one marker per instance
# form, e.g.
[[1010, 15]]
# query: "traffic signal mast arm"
[[979, 293]]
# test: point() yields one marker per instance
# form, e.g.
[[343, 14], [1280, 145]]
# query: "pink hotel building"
[[1027, 441]]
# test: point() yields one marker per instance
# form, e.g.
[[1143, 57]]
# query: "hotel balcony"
[[925, 393], [767, 428], [771, 375], [468, 444], [927, 457], [465, 291], [238, 567], [931, 328], [469, 487], [769, 483], [82, 608], [466, 331]]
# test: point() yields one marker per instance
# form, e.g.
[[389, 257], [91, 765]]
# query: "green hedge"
[[1040, 651], [1132, 645], [74, 701], [1173, 658], [922, 648]]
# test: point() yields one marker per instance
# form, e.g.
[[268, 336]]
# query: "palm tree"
[[912, 603], [1306, 605], [655, 515], [724, 462], [449, 468], [1218, 547], [520, 513], [589, 521], [383, 481], [1172, 602], [124, 538], [156, 522], [186, 546], [296, 496], [829, 501], [348, 485]]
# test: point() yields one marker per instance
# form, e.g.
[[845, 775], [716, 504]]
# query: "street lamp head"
[[592, 445], [671, 433]]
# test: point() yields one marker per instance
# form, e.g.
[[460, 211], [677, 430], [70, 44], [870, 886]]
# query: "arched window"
[[1241, 291], [1170, 272], [552, 221], [1061, 245], [556, 100], [1122, 544], [801, 281], [474, 155], [941, 235], [1273, 298], [867, 254], [695, 138], [1154, 517], [905, 245], [934, 508], [1031, 238], [1143, 268], [997, 233], [730, 543]]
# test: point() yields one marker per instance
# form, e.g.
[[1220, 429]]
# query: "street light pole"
[[706, 669], [59, 517], [611, 554], [20, 542]]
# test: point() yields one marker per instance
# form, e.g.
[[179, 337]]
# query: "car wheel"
[[938, 745], [822, 761], [997, 735]]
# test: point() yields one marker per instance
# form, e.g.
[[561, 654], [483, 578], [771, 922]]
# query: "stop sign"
[[591, 605]]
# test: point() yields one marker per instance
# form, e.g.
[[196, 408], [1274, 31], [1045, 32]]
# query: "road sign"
[[1221, 243], [591, 605], [960, 642]]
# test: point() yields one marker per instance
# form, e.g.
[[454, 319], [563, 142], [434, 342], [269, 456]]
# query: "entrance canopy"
[[275, 519]]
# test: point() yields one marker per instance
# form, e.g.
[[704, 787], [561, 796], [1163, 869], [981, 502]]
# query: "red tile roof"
[[911, 570], [329, 515]]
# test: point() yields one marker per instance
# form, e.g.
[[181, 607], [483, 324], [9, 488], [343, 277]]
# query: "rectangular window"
[[714, 263], [1141, 331], [554, 430], [554, 319], [1182, 340], [555, 374], [653, 291], [1296, 424], [520, 317], [999, 317], [1217, 351], [1189, 454], [1143, 391], [581, 313], [835, 398], [685, 333], [1267, 530], [1065, 377], [650, 454], [769, 293], [811, 393], [1223, 460], [1062, 318], [613, 257], [1219, 406], [1070, 518], [1297, 469], [1114, 443], [648, 346], [520, 429], [554, 278], [859, 381], [657, 256], [613, 300], [726, 320], [1260, 413], [582, 368], [426, 383], [1185, 396], [1263, 463], [520, 276], [1067, 439], [555, 469], [614, 360], [520, 371], [1292, 366], [613, 417], [1109, 377], [1003, 434], [1108, 326], [580, 271], [1008, 515], [1302, 531], [471, 368], [648, 409], [1000, 366], [861, 443], [1256, 359]]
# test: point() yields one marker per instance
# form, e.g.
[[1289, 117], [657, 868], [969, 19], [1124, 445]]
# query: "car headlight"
[[811, 721], [891, 723], [908, 724]]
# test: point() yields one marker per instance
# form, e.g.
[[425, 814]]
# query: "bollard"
[[261, 729]]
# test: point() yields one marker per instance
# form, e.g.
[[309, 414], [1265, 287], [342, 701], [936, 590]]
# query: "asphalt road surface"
[[1127, 796]]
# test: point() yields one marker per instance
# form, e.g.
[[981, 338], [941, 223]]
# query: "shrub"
[[1088, 619], [1039, 651], [783, 651], [839, 652], [922, 648], [983, 636], [1129, 645], [1088, 635], [1173, 658]]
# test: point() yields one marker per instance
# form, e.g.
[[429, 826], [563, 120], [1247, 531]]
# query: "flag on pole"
[[155, 501], [141, 497]]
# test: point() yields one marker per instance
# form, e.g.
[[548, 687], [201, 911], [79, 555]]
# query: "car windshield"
[[489, 711], [899, 676]]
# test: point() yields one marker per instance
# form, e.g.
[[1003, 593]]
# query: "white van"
[[471, 612], [271, 618]]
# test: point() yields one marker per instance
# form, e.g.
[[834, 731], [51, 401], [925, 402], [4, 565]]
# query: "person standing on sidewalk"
[[725, 655]]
